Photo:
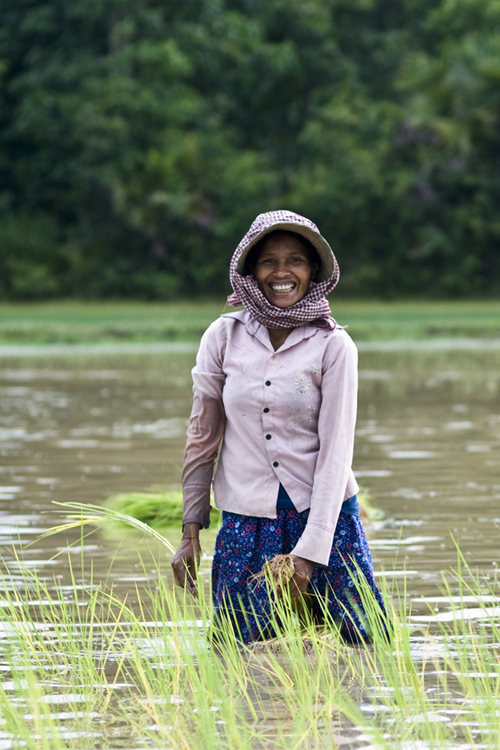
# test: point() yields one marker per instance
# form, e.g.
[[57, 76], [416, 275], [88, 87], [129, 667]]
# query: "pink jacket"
[[284, 416]]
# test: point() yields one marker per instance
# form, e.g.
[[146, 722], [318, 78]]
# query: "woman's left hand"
[[301, 577]]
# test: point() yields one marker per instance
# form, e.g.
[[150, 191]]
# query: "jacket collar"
[[260, 332]]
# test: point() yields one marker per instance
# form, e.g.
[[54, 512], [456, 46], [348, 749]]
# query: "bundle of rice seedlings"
[[278, 572], [157, 507]]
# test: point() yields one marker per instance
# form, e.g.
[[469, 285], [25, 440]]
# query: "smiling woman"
[[283, 264], [276, 384]]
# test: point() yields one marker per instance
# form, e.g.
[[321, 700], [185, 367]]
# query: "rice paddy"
[[93, 670], [99, 650]]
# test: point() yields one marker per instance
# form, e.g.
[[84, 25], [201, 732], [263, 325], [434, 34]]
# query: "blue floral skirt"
[[245, 543]]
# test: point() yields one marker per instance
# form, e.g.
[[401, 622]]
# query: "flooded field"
[[83, 428]]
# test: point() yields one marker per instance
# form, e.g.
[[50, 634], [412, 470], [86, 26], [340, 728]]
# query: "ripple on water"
[[412, 454], [472, 613]]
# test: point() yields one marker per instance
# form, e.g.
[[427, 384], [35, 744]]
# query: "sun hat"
[[314, 307], [290, 222]]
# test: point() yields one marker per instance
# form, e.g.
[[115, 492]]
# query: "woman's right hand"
[[187, 558]]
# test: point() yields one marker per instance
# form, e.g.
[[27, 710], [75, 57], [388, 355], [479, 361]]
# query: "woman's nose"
[[282, 268]]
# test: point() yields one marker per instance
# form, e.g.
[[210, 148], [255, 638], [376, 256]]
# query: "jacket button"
[[266, 410], [268, 437], [275, 464], [268, 382]]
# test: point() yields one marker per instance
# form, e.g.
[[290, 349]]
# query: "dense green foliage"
[[139, 139]]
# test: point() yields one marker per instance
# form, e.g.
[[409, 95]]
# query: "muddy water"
[[82, 429], [87, 427], [431, 426]]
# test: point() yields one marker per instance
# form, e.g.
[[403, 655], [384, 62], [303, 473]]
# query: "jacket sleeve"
[[336, 425], [206, 426]]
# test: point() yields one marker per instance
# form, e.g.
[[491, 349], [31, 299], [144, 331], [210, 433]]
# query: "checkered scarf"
[[313, 307]]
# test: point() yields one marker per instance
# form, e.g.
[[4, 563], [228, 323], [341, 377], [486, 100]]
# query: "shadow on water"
[[87, 427]]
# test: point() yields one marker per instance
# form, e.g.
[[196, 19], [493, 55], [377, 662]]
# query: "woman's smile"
[[282, 288], [283, 270]]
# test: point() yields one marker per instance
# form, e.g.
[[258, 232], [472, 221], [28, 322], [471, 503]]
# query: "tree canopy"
[[139, 139]]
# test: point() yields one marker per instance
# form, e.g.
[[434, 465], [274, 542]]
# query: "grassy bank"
[[112, 322]]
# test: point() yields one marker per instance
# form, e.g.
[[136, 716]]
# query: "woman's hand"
[[186, 560], [301, 577]]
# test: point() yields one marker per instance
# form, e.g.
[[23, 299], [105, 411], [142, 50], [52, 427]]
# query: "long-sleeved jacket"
[[284, 416]]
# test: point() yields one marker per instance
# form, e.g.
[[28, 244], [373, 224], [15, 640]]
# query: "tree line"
[[139, 138]]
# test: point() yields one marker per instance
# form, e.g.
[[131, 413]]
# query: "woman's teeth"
[[282, 287]]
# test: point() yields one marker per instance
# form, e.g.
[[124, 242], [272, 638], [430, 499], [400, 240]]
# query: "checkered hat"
[[314, 306], [290, 222]]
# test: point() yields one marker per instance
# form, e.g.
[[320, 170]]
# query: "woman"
[[277, 384]]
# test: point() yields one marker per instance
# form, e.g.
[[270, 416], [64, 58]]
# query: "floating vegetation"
[[158, 508]]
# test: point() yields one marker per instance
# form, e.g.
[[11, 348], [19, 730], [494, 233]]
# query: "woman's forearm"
[[205, 432], [206, 428], [191, 531]]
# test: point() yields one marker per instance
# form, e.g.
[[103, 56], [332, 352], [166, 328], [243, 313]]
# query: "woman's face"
[[283, 270]]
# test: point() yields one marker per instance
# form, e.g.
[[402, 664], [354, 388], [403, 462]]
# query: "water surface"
[[87, 427]]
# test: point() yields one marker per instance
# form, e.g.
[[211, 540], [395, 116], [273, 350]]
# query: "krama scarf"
[[313, 308]]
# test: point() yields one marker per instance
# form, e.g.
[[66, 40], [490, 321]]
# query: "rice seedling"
[[99, 513], [84, 668], [157, 507]]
